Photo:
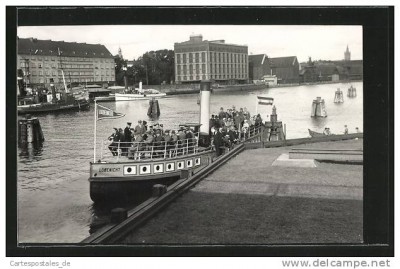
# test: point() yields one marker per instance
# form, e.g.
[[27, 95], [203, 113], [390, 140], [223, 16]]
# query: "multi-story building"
[[42, 60], [199, 59]]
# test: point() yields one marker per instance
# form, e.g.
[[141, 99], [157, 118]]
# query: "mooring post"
[[185, 174], [118, 215], [158, 190], [30, 130]]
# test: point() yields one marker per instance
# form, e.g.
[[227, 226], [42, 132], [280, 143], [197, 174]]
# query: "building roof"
[[326, 69], [283, 61], [198, 39], [69, 49], [258, 59]]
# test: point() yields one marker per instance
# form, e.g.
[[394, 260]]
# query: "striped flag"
[[107, 113], [265, 100]]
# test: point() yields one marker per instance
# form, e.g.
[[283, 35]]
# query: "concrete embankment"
[[248, 201], [175, 89], [195, 88]]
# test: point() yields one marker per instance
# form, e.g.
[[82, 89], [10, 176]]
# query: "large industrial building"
[[286, 69], [199, 59], [42, 60]]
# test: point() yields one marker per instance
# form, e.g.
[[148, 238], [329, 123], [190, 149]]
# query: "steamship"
[[49, 102], [126, 168]]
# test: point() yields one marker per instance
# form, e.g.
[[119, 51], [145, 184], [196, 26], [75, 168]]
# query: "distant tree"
[[153, 67], [119, 72]]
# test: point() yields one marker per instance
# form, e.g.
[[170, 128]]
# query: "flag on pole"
[[265, 100], [107, 113]]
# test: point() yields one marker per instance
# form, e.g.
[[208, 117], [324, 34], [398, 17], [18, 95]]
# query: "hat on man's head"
[[139, 121], [173, 131], [129, 123]]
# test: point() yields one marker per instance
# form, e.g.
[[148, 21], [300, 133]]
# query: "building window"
[[203, 57], [178, 58], [203, 68], [178, 69], [197, 58], [184, 58], [190, 69], [190, 57], [184, 69]]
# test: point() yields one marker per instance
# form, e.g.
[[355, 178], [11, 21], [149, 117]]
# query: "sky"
[[317, 42]]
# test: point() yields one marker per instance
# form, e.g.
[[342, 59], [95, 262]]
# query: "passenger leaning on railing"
[[159, 145], [149, 140], [115, 138]]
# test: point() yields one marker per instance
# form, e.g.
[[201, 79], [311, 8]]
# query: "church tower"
[[347, 54], [120, 53]]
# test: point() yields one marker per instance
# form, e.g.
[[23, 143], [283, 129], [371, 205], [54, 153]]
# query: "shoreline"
[[191, 89]]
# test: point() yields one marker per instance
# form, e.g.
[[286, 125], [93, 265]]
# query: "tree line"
[[152, 68]]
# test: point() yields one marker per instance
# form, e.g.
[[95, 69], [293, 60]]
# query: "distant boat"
[[146, 95], [315, 134]]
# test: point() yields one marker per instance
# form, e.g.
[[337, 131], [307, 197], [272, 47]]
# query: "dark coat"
[[128, 134]]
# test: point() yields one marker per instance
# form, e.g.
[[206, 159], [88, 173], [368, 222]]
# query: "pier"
[[230, 190]]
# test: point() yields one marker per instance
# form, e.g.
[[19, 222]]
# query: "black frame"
[[378, 49]]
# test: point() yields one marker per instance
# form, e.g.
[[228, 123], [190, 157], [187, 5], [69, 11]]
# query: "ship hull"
[[115, 180], [49, 108]]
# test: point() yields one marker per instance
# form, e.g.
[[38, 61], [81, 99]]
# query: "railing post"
[[151, 153], [102, 149], [118, 151], [165, 149], [187, 146]]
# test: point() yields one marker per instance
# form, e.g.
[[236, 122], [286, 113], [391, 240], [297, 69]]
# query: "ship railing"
[[247, 133], [145, 151]]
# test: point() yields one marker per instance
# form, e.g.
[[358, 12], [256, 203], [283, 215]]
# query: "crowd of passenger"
[[151, 139], [230, 126], [226, 129]]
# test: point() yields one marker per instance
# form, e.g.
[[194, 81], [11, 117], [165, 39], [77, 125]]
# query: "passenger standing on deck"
[[234, 112], [346, 130], [115, 138], [246, 114], [221, 113], [122, 138], [218, 142], [149, 140], [191, 139], [181, 140], [174, 142], [139, 129], [258, 121], [238, 121], [159, 144], [128, 137]]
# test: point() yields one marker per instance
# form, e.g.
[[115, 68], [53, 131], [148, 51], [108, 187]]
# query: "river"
[[53, 189]]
